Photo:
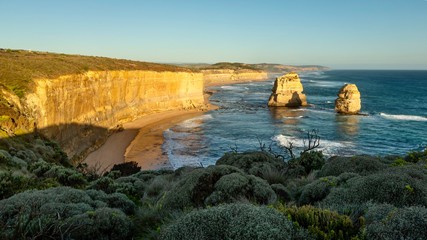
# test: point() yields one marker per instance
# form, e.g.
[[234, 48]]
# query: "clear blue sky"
[[381, 34]]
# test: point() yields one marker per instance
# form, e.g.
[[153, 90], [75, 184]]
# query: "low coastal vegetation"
[[19, 67], [245, 195]]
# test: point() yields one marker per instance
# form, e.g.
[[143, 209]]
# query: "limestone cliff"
[[214, 77], [348, 101], [287, 92], [70, 108]]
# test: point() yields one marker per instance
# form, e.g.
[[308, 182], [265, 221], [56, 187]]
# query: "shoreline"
[[141, 140]]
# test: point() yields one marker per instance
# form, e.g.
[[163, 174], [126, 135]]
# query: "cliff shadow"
[[66, 144]]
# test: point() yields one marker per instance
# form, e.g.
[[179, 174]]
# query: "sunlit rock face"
[[348, 101], [230, 76], [69, 106], [287, 92]]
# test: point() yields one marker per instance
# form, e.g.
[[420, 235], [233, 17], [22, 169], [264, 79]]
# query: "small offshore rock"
[[348, 101], [287, 92]]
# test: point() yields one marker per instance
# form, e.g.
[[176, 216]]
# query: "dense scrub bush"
[[217, 184], [66, 176], [233, 221], [283, 194], [11, 183], [416, 156], [252, 162], [133, 187], [317, 190], [362, 165], [400, 223], [320, 188], [126, 168], [322, 223], [400, 186], [65, 213], [312, 160]]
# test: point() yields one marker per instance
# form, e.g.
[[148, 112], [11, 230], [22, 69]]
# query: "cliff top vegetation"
[[19, 67]]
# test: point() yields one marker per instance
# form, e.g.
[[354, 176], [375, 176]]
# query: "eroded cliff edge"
[[77, 110]]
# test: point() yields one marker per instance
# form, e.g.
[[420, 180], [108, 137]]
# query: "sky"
[[341, 34]]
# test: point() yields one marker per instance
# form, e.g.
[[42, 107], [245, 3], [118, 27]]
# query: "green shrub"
[[416, 156], [312, 160], [402, 186], [317, 190], [217, 184], [157, 186], [283, 194], [322, 223], [400, 223], [65, 212], [11, 183], [126, 168], [362, 165], [320, 188], [233, 221], [252, 162], [271, 175], [66, 176]]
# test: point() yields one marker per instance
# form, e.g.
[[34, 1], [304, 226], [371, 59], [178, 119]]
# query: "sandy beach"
[[141, 140]]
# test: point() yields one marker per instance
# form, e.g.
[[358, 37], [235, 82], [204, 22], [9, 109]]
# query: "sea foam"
[[404, 117]]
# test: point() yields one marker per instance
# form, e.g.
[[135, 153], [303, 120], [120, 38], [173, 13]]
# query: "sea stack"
[[287, 92], [348, 101]]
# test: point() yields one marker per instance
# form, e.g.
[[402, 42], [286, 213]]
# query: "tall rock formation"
[[287, 92], [348, 101]]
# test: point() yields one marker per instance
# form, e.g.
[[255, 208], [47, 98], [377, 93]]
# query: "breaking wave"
[[404, 117]]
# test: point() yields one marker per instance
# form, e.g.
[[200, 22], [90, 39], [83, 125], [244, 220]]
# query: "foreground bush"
[[233, 221], [217, 184], [323, 223], [64, 212], [399, 186], [252, 162], [363, 165], [403, 223]]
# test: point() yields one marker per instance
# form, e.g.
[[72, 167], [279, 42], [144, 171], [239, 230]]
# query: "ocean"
[[394, 120]]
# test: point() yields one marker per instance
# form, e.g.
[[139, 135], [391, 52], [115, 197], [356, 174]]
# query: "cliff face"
[[228, 76], [348, 101], [76, 109], [287, 92]]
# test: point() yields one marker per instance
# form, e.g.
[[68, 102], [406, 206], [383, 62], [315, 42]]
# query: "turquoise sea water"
[[395, 104]]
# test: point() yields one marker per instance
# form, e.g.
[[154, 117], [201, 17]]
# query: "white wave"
[[404, 117], [328, 84], [312, 74], [195, 122], [296, 117], [328, 147], [175, 150], [239, 88]]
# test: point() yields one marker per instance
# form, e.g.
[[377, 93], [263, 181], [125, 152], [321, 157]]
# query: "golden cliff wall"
[[228, 76], [74, 109]]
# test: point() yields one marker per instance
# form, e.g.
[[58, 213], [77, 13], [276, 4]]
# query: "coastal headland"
[[114, 109]]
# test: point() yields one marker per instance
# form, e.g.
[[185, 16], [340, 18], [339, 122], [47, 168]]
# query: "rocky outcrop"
[[75, 110], [287, 92], [14, 117], [214, 77], [348, 101]]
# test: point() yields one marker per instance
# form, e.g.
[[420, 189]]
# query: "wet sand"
[[140, 141]]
